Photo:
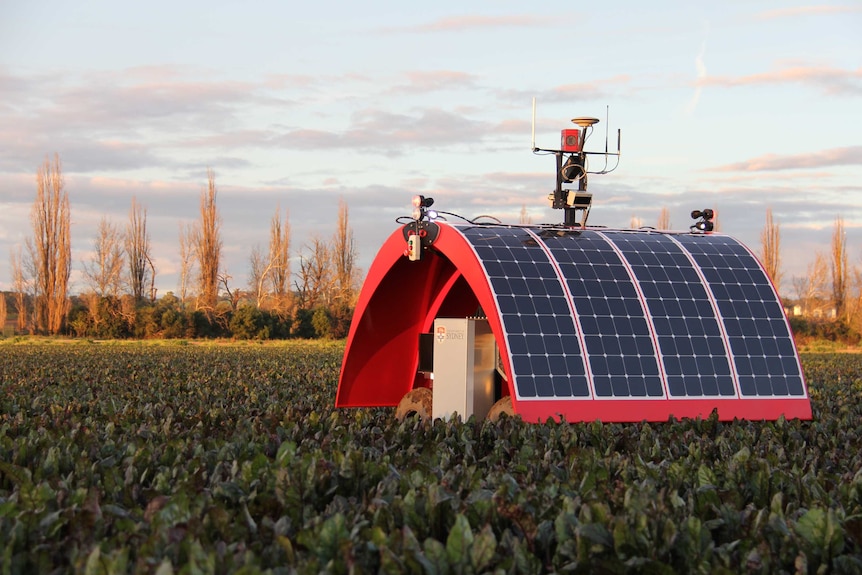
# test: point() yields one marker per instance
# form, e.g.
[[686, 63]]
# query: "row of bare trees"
[[831, 288], [328, 274], [120, 274], [327, 277], [40, 274]]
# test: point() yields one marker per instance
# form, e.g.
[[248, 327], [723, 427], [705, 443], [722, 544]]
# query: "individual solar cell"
[[760, 340], [547, 359], [622, 358]]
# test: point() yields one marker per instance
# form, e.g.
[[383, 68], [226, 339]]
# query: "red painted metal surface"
[[634, 410], [400, 300]]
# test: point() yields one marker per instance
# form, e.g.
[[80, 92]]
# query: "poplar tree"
[[187, 247], [2, 311], [277, 270], [19, 286], [344, 256], [137, 242], [50, 249], [208, 244], [104, 271], [839, 267], [663, 219], [770, 249]]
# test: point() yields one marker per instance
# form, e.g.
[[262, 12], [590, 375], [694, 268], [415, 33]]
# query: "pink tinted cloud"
[[432, 81], [111, 102], [430, 127], [512, 127], [306, 81], [112, 119], [831, 80], [806, 11], [588, 89], [233, 139], [385, 132], [849, 156], [597, 89]]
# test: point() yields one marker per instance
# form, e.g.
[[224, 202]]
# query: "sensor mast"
[[571, 160]]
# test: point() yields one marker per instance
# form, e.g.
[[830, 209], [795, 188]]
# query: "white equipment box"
[[464, 363]]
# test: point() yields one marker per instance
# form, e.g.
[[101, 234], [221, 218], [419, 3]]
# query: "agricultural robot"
[[569, 321]]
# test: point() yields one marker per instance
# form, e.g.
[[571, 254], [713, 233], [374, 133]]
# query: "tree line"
[[120, 301], [315, 301], [825, 302]]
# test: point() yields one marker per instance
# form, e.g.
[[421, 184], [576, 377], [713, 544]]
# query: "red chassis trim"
[[634, 410]]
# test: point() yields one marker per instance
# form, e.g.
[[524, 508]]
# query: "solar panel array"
[[760, 340], [634, 314], [536, 312]]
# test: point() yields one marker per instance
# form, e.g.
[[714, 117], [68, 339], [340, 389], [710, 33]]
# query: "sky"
[[739, 106]]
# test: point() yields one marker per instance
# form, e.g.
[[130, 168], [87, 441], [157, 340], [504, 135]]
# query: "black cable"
[[456, 216], [473, 221]]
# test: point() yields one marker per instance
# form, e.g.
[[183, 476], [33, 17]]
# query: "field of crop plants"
[[221, 459]]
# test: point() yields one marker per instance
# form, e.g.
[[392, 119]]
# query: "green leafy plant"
[[220, 458]]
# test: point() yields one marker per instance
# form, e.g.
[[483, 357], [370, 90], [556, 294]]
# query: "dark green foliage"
[[216, 459], [168, 318], [340, 318], [303, 325], [249, 322], [807, 329], [321, 322], [105, 320]]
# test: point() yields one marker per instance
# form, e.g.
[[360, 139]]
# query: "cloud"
[[832, 81], [116, 102], [803, 11], [390, 133], [848, 156], [301, 81], [469, 22], [600, 89], [130, 119], [161, 117], [433, 81]]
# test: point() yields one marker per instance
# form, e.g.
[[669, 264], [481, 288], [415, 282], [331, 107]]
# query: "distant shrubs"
[[249, 322], [168, 318], [807, 330]]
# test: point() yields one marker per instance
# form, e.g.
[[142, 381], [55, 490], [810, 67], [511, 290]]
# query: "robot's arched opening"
[[384, 357]]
